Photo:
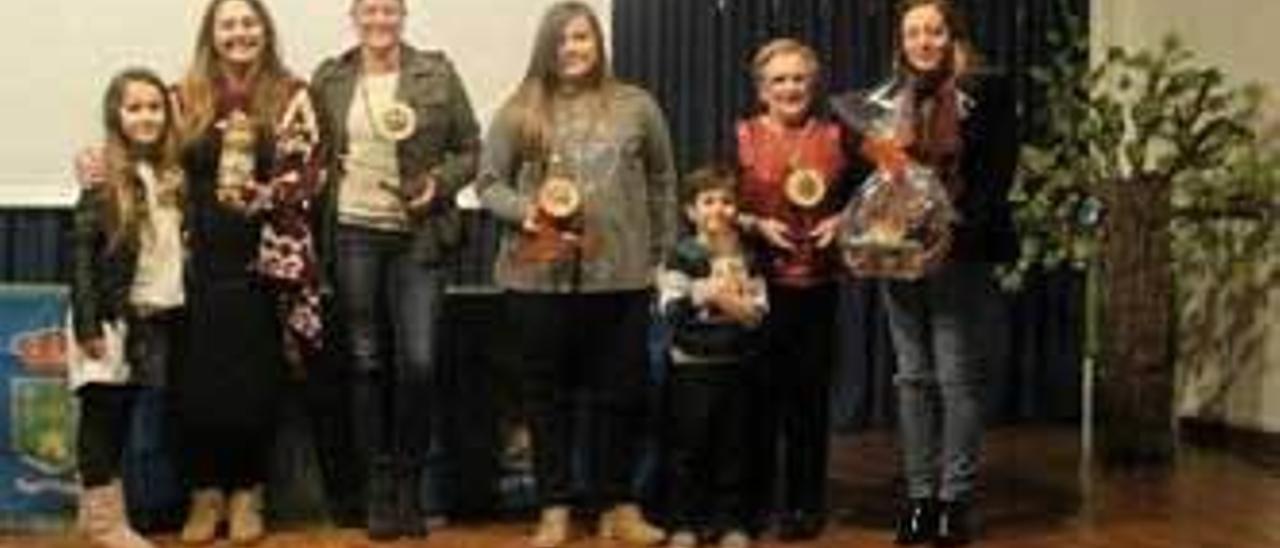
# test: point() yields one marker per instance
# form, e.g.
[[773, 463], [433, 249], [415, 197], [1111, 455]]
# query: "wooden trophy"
[[236, 162], [805, 189], [559, 233]]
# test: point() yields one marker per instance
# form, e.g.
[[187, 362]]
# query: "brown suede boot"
[[102, 518], [206, 512], [553, 528], [626, 523], [244, 516]]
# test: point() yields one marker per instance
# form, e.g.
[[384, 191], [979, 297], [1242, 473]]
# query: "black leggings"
[[106, 413], [583, 352]]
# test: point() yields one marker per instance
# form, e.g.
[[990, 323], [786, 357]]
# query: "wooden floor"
[[1033, 497]]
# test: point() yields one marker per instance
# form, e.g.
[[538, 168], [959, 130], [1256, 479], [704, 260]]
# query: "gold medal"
[[805, 188], [559, 197], [397, 121]]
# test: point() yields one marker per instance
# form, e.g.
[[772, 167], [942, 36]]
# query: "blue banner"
[[37, 412]]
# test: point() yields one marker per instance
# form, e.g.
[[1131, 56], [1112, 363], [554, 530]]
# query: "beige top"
[[368, 194], [157, 284]]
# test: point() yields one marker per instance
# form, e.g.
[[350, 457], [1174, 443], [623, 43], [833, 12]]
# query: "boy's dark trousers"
[[708, 406]]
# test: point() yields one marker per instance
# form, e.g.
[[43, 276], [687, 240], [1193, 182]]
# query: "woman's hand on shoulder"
[[91, 166]]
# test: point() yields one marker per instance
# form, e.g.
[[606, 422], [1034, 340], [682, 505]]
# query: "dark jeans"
[[791, 395], [391, 304], [946, 328], [707, 410], [586, 349]]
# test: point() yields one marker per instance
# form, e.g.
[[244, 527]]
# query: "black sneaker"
[[918, 522], [955, 524]]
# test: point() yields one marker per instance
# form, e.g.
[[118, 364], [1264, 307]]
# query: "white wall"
[[57, 55], [1238, 36]]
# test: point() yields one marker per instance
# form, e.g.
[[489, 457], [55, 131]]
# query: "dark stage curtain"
[[694, 56], [34, 245]]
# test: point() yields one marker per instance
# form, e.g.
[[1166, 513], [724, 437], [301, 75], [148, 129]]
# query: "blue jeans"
[[390, 305], [946, 329]]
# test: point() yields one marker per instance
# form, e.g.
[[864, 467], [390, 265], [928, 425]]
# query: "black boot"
[[955, 524], [382, 520], [369, 419], [798, 526], [918, 522], [412, 435], [409, 499]]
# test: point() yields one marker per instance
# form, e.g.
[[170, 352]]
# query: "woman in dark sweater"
[[249, 141]]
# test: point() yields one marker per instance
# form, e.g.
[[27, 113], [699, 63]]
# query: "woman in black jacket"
[[127, 293], [948, 325]]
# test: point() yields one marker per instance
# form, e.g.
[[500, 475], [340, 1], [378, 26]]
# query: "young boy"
[[713, 299]]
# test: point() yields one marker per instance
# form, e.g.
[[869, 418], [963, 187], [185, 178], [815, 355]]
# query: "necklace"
[[803, 186], [395, 122]]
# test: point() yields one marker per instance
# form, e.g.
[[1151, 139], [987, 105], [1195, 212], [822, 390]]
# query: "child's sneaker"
[[683, 538], [736, 538]]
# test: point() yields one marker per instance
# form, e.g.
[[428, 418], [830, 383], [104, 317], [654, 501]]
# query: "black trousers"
[[707, 414], [791, 395], [227, 391], [583, 352]]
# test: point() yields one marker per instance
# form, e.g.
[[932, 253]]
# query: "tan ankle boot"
[[102, 518], [207, 507], [624, 522], [244, 515], [553, 528]]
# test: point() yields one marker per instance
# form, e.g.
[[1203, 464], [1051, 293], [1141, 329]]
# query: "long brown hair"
[[935, 137], [270, 80], [530, 105], [119, 199]]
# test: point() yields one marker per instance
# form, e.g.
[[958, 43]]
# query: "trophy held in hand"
[[236, 162], [558, 232], [805, 190]]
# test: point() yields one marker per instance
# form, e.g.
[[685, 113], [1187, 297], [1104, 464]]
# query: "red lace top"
[[766, 157]]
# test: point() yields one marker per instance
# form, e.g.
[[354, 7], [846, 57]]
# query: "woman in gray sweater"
[[578, 166]]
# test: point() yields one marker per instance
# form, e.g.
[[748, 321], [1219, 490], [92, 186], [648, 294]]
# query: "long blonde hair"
[[530, 105], [270, 80], [119, 198]]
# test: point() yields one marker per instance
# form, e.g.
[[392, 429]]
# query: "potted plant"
[[1144, 155]]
